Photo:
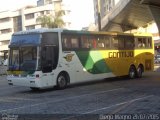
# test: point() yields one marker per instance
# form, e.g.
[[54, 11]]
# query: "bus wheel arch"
[[132, 72], [140, 70], [63, 80]]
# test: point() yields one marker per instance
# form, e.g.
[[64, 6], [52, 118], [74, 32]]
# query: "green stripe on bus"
[[93, 62]]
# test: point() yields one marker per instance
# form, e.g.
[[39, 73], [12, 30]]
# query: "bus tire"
[[132, 72], [62, 80], [139, 71]]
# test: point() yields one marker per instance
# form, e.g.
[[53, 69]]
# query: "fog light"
[[37, 76]]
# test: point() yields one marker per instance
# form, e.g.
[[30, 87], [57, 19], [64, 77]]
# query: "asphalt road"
[[102, 100]]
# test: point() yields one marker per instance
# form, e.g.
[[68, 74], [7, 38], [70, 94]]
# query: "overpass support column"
[[155, 11]]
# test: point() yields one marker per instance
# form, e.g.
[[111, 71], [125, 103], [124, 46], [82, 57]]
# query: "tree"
[[44, 20], [50, 21]]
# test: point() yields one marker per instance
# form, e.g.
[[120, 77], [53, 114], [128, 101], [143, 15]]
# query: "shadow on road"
[[146, 76]]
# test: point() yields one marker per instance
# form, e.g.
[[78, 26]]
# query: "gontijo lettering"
[[121, 54]]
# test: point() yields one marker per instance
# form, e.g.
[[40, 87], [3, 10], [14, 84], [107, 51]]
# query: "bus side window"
[[144, 42], [85, 42], [149, 42], [121, 43], [129, 42], [101, 42], [70, 42], [141, 42], [66, 42], [115, 42], [107, 41], [75, 42], [94, 43]]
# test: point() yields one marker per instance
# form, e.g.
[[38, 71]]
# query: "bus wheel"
[[132, 72], [62, 81], [139, 72]]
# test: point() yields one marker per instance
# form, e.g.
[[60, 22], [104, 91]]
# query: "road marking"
[[17, 98], [59, 100], [118, 104], [108, 107], [6, 100], [8, 87]]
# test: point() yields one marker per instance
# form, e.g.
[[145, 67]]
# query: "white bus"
[[45, 58]]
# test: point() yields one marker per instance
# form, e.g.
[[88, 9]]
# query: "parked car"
[[5, 63], [157, 59], [1, 62]]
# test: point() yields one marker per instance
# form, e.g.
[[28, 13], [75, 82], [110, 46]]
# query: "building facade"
[[25, 19], [103, 7]]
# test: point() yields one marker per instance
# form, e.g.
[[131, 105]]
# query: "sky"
[[81, 10]]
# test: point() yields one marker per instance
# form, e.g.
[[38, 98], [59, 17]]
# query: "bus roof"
[[43, 30], [40, 30]]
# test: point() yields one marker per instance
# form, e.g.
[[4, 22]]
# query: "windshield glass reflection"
[[23, 59]]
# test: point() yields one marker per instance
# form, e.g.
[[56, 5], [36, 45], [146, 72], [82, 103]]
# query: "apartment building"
[[103, 7], [25, 19]]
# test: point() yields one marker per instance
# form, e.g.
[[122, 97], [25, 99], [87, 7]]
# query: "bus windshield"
[[24, 58]]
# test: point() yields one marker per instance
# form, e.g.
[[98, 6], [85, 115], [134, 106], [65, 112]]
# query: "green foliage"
[[50, 21]]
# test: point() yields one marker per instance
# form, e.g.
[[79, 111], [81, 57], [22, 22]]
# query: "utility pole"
[[99, 16]]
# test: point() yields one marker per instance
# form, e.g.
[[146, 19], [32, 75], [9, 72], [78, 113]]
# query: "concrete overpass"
[[131, 14]]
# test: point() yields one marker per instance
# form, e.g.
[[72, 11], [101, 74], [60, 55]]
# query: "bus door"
[[48, 63]]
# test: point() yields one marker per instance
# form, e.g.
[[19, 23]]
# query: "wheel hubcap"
[[132, 73], [61, 81], [139, 72]]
